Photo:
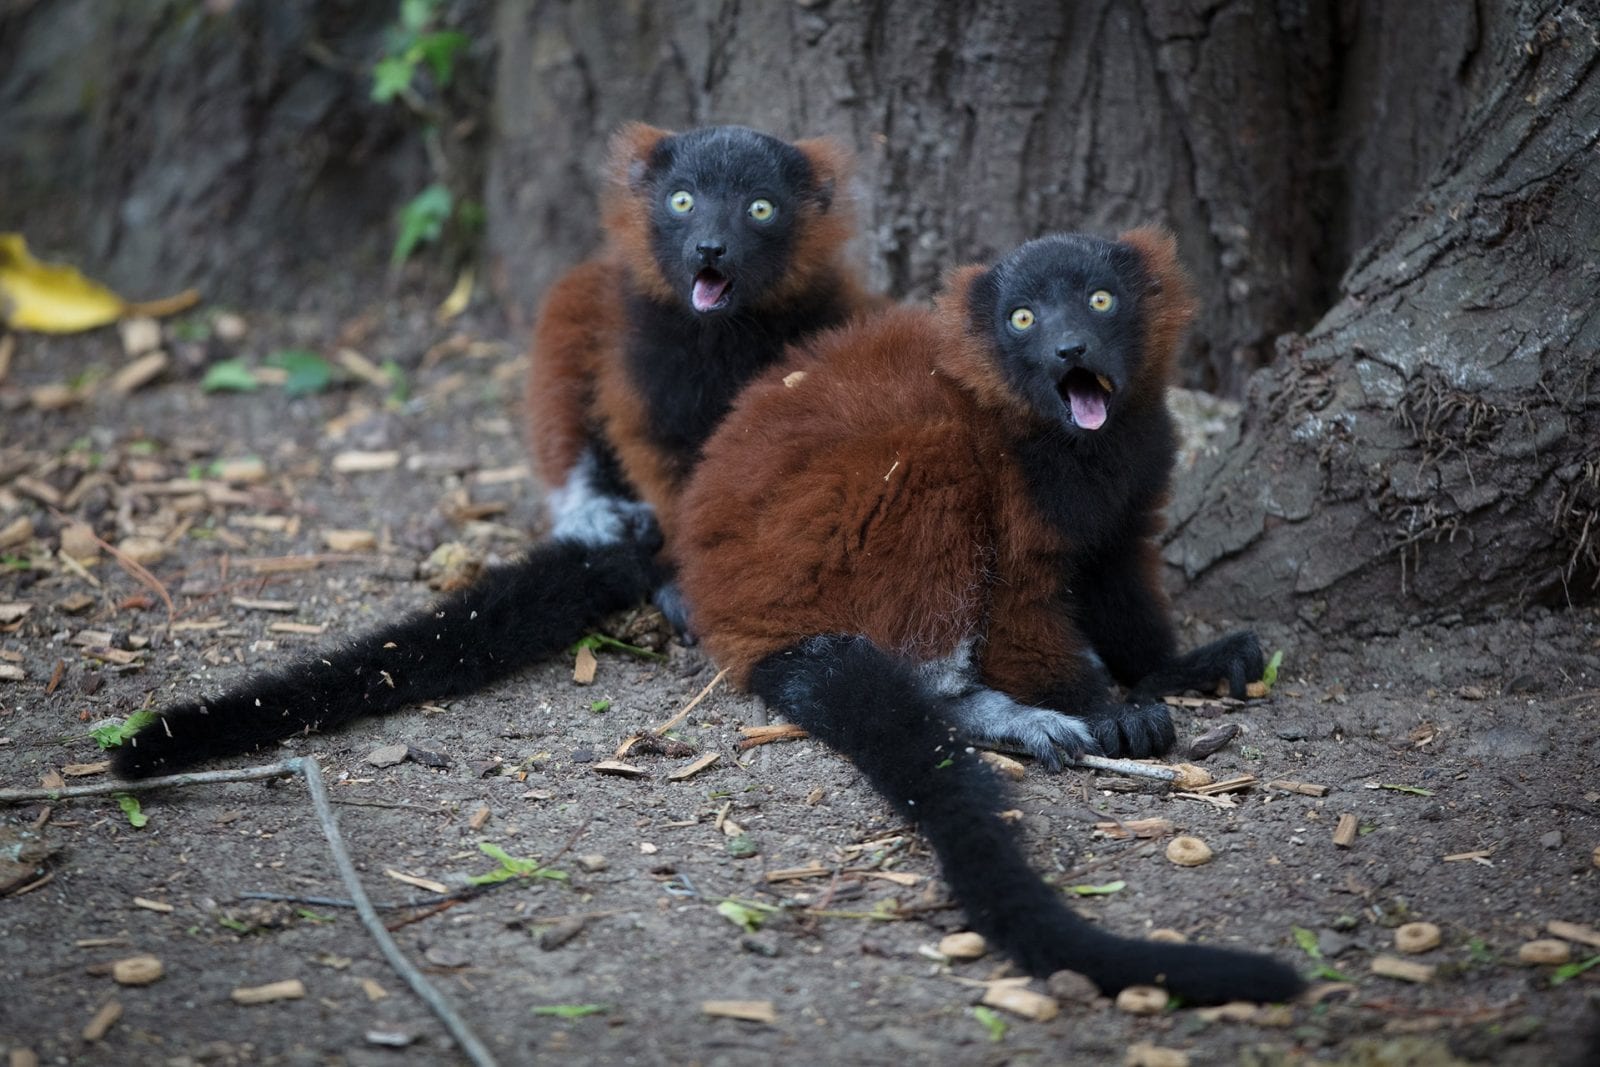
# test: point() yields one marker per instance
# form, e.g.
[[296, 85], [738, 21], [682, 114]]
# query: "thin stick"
[[465, 1038], [140, 573], [243, 774], [687, 708], [1123, 766]]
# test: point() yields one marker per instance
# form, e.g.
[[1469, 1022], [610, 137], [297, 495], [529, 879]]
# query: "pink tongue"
[[1088, 408], [707, 291]]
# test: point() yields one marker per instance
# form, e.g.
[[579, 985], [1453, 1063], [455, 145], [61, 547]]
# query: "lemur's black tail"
[[514, 615], [872, 709]]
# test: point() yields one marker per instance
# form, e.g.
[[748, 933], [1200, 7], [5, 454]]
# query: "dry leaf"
[[50, 297]]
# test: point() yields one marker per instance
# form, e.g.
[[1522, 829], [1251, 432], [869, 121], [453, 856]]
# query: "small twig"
[[687, 708], [1124, 766], [127, 563], [470, 1045], [100, 789]]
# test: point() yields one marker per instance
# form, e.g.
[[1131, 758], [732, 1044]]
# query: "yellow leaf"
[[459, 298], [49, 297]]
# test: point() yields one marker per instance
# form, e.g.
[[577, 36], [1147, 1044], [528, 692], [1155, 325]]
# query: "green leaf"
[[416, 14], [392, 76], [234, 924], [112, 735], [598, 706], [308, 372], [312, 917], [946, 762], [130, 807], [1412, 789], [421, 220], [438, 51], [1307, 940], [1269, 677], [742, 846], [594, 642], [1568, 971], [1097, 890], [991, 1022], [512, 867], [399, 388], [230, 376], [1330, 974], [747, 916], [571, 1011]]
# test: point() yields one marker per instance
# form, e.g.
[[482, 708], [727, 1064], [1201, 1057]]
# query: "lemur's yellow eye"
[[1021, 319], [762, 210], [1100, 300], [681, 202]]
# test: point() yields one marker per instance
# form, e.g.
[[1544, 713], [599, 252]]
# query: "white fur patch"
[[580, 512]]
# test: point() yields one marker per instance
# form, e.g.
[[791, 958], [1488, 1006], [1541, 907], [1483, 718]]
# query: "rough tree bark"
[[231, 145], [1432, 447]]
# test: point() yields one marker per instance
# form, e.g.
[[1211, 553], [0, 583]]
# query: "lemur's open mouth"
[[1086, 393], [710, 290]]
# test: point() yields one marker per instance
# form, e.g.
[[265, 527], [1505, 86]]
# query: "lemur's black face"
[[1063, 316], [726, 206]]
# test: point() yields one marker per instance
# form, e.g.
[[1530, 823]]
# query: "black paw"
[[670, 601], [1133, 731], [1235, 659]]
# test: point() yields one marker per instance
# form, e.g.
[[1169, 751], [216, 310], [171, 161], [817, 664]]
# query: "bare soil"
[[1466, 755]]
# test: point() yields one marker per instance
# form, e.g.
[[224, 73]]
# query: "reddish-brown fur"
[[578, 384], [875, 496]]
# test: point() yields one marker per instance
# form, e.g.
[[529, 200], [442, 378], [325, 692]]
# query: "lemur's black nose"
[[710, 252], [1072, 350]]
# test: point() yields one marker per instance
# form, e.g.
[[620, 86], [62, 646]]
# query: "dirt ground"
[[1466, 756]]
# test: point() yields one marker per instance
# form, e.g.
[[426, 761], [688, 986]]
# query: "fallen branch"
[[687, 708], [99, 789], [1129, 767]]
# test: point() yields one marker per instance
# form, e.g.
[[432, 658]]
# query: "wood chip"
[[1480, 855], [355, 462], [1142, 1000], [43, 492], [257, 604], [413, 880], [1214, 740], [755, 1011], [372, 989], [153, 905], [53, 397], [78, 542], [584, 666], [350, 540], [619, 769], [1145, 1054], [140, 372], [684, 773], [246, 470], [1235, 784], [1186, 851], [311, 629], [1168, 935], [1405, 970], [1546, 951], [1583, 935], [1234, 1011], [9, 673], [796, 874], [137, 970], [145, 551], [762, 735], [289, 989], [363, 368], [1021, 1001], [140, 334], [103, 1020], [1256, 690], [963, 946], [1146, 828], [19, 531], [1344, 834], [1307, 789], [18, 1057], [479, 818], [1008, 767], [1412, 938], [84, 770], [14, 610]]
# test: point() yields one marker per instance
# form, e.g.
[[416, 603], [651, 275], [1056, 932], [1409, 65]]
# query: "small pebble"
[[1547, 951], [1142, 1000], [1188, 851], [1551, 839], [963, 946], [387, 756]]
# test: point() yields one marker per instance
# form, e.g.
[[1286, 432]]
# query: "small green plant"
[[1269, 677], [130, 807], [312, 917], [991, 1021], [1097, 890], [112, 734], [1307, 940], [594, 642], [747, 915], [599, 706], [1416, 791], [512, 867], [416, 43], [742, 847], [571, 1011], [228, 376], [1568, 971], [307, 372]]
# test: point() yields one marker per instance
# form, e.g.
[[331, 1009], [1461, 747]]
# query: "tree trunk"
[[1432, 447], [232, 146]]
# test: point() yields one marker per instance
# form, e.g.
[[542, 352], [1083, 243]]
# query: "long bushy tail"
[[514, 615], [871, 708]]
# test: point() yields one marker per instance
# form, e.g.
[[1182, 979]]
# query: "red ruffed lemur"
[[938, 527], [722, 246]]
